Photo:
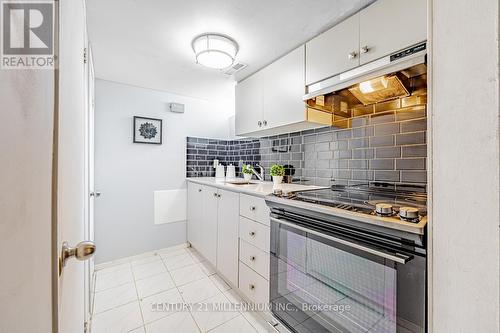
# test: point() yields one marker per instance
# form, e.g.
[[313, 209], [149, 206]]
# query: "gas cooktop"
[[406, 202]]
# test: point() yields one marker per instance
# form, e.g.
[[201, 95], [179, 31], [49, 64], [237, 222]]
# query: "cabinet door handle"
[[364, 49], [252, 258], [253, 208], [199, 190], [251, 286], [352, 55], [218, 195], [264, 123], [259, 123], [252, 233], [215, 195]]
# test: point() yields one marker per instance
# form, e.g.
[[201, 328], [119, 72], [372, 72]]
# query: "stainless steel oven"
[[331, 275]]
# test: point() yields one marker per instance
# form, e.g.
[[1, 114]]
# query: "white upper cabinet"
[[249, 104], [391, 25], [284, 87], [333, 52], [270, 101]]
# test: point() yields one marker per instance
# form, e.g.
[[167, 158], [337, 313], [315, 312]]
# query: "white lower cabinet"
[[237, 245], [254, 208], [255, 233], [255, 258], [194, 213], [253, 286], [227, 235], [208, 224], [212, 227]]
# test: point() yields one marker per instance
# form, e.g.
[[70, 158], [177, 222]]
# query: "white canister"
[[230, 172], [220, 171], [277, 180]]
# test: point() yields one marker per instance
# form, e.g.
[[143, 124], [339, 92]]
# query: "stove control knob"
[[384, 209], [408, 213]]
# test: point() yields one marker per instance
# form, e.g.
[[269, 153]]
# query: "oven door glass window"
[[319, 285]]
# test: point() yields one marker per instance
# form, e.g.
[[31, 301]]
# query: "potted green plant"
[[277, 172], [247, 172]]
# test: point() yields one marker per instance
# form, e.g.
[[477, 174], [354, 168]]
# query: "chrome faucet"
[[260, 176]]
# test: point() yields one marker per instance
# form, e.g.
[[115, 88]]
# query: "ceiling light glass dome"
[[214, 50]]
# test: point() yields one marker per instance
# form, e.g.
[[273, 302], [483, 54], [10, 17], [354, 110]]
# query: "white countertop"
[[254, 188], [262, 189]]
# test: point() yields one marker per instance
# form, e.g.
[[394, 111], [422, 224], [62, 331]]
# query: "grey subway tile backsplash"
[[387, 176], [388, 152], [359, 143], [414, 151], [362, 132], [382, 164], [367, 153], [382, 118], [414, 176], [381, 141], [388, 146], [358, 164], [410, 164], [386, 129], [410, 138], [414, 125]]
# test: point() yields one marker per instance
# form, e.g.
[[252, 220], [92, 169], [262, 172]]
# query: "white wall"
[[128, 173], [465, 166], [26, 115]]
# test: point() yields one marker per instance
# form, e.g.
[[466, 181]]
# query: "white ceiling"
[[148, 42]]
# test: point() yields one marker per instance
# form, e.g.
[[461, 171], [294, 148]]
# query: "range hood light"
[[379, 89], [370, 86]]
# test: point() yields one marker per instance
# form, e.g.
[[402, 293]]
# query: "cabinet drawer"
[[254, 286], [254, 208], [254, 258], [257, 234]]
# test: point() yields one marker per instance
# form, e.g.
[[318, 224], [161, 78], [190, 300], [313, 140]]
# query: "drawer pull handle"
[[251, 286], [252, 233], [252, 258], [253, 208], [199, 190]]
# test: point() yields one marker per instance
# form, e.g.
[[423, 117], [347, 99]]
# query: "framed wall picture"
[[147, 130]]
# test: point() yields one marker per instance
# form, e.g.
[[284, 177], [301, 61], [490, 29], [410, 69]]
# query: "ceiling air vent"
[[234, 68]]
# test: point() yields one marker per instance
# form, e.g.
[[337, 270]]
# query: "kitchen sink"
[[241, 182]]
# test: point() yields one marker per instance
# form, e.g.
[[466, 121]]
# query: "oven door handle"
[[396, 257]]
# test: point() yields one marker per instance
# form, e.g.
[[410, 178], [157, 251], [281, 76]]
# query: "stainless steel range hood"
[[396, 62]]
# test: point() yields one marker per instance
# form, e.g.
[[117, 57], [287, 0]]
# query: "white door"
[[208, 237], [284, 86], [227, 235], [391, 25], [90, 193], [71, 160], [334, 51]]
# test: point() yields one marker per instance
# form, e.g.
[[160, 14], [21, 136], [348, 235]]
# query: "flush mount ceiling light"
[[214, 50]]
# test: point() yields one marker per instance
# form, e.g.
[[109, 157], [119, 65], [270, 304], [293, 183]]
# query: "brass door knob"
[[82, 251]]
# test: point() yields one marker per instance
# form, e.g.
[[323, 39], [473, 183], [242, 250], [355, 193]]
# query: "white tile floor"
[[127, 291]]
